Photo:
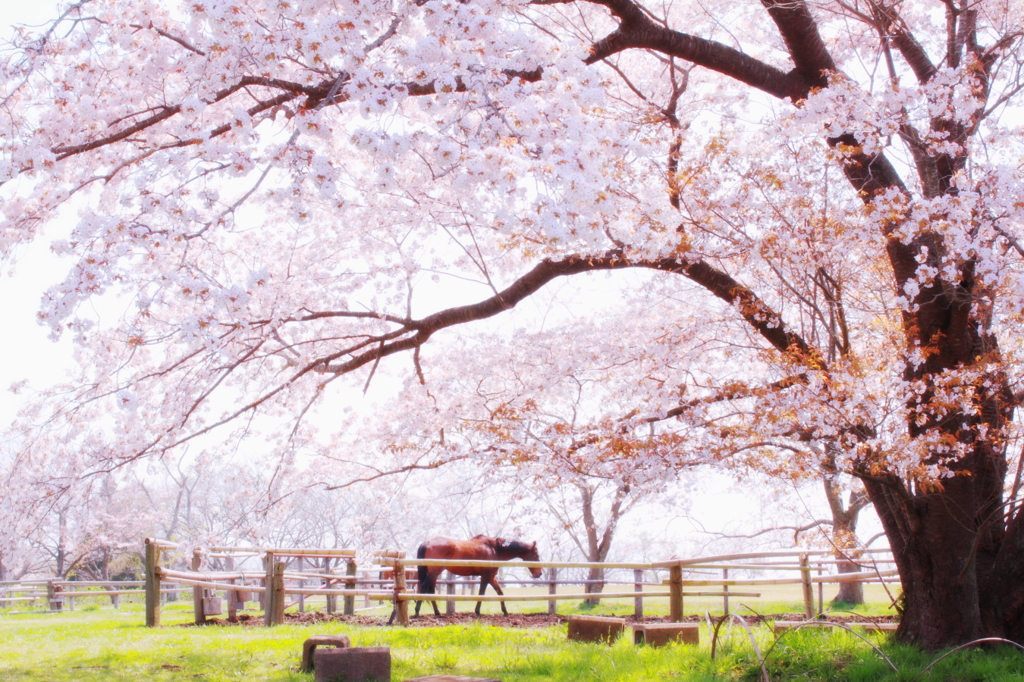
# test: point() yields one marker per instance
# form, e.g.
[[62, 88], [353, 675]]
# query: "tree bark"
[[595, 585], [593, 546], [849, 593], [939, 602], [844, 535], [599, 544]]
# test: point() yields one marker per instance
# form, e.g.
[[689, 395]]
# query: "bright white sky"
[[27, 352]]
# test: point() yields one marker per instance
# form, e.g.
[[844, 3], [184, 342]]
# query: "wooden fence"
[[57, 593], [275, 583]]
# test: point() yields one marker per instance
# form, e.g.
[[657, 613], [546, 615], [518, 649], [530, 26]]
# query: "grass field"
[[773, 599], [92, 644]]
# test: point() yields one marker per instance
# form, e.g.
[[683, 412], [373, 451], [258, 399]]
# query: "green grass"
[[773, 599], [108, 645]]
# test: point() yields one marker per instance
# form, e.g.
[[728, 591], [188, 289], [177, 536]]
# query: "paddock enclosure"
[[225, 580], [382, 576]]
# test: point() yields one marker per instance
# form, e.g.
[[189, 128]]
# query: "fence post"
[[552, 589], [821, 590], [401, 606], [350, 584], [675, 599], [152, 583], [638, 587], [725, 591], [449, 605], [332, 599], [278, 593], [302, 583], [268, 587], [805, 579], [232, 595], [197, 591], [52, 592]]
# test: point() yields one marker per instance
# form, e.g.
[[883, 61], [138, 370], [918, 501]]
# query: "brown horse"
[[480, 548]]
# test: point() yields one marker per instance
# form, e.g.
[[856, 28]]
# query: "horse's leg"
[[427, 578], [497, 588], [484, 579], [433, 590]]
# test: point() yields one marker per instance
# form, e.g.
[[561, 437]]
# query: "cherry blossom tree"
[[274, 199], [93, 534], [551, 414], [789, 517], [17, 559]]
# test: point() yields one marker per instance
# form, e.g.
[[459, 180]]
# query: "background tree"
[[543, 424], [794, 513], [562, 434]]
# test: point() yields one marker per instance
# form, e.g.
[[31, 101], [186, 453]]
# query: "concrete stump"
[[452, 678], [310, 645], [660, 634], [356, 664], [595, 628]]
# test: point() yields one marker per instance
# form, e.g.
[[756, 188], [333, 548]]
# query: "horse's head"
[[531, 555], [514, 549]]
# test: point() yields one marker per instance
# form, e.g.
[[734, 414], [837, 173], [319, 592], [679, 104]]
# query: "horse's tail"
[[426, 585]]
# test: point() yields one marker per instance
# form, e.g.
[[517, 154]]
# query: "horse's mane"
[[516, 546]]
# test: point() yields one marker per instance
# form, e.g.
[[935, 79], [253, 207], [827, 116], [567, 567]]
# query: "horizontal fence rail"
[[57, 593]]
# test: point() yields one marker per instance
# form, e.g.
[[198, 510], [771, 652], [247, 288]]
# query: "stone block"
[[310, 645], [660, 634], [356, 664], [452, 678], [595, 628]]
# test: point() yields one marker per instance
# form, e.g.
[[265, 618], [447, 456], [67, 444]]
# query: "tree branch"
[[636, 30], [754, 311]]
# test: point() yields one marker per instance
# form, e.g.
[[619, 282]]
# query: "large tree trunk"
[[962, 575], [932, 541]]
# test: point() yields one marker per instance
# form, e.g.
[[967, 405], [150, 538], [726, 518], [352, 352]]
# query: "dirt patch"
[[515, 620]]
